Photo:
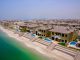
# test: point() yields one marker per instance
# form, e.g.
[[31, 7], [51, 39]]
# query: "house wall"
[[41, 32], [74, 36], [23, 28], [65, 37]]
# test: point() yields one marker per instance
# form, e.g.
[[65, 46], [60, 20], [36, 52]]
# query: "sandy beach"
[[54, 55]]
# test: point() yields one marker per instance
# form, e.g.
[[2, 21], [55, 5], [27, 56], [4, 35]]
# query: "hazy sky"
[[29, 9]]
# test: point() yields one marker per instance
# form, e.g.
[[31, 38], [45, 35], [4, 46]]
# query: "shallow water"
[[10, 49]]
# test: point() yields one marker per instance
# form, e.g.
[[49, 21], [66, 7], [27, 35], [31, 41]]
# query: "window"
[[39, 34], [62, 40], [73, 25], [66, 35], [52, 38], [65, 41], [56, 33], [44, 30], [36, 33], [56, 39], [62, 35], [41, 30], [59, 33], [52, 33]]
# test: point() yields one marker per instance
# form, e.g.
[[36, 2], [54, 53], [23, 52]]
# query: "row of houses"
[[73, 23], [60, 32], [57, 33]]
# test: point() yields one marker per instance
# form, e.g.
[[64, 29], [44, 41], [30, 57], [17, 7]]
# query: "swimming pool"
[[48, 40], [33, 35], [73, 43]]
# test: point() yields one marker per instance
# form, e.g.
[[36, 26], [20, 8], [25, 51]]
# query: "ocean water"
[[10, 49]]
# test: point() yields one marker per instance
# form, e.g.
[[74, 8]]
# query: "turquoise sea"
[[10, 49]]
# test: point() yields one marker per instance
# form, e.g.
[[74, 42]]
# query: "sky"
[[31, 9]]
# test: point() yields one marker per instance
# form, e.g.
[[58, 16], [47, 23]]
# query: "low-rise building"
[[28, 27], [63, 34], [43, 31]]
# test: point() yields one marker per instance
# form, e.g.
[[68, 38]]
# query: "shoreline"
[[55, 55]]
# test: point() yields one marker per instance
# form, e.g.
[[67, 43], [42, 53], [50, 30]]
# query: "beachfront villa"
[[43, 31], [32, 28], [75, 25], [28, 28], [8, 24], [63, 34], [23, 28]]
